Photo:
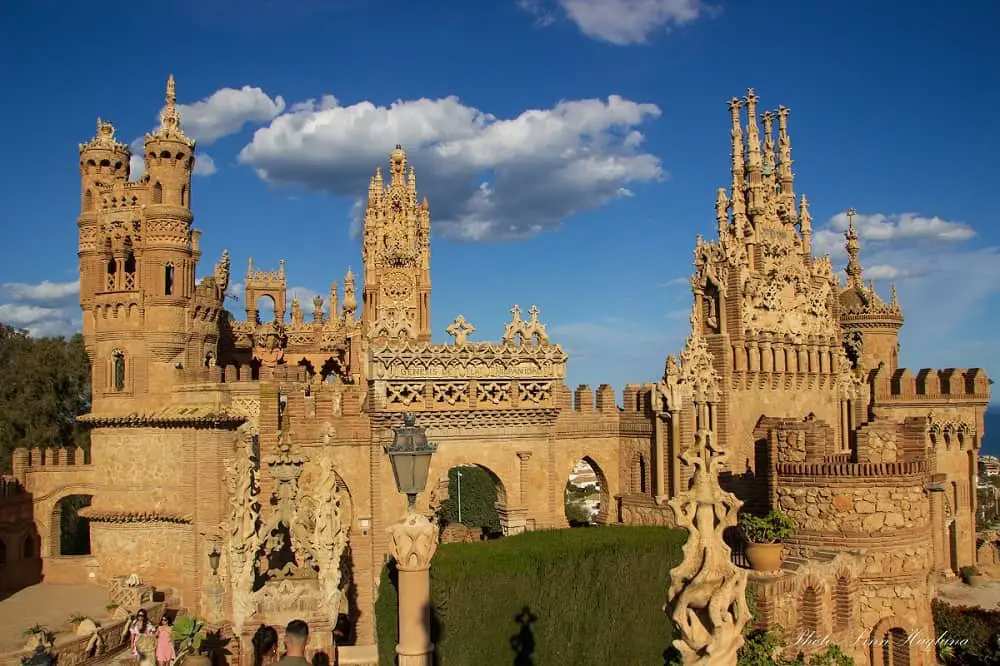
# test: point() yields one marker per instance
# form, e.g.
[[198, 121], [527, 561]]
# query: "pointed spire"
[[170, 117], [805, 225], [738, 188], [895, 297], [397, 165], [785, 176], [768, 118], [753, 138], [853, 247]]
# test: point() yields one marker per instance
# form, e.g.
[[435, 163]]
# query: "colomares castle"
[[262, 442]]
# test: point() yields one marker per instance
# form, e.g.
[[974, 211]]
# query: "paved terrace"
[[48, 605]]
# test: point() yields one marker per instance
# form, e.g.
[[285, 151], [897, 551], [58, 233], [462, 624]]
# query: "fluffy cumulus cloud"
[[619, 22], [226, 111], [486, 177], [43, 309], [929, 257]]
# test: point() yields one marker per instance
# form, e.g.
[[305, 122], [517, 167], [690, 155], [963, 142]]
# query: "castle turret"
[[138, 254], [871, 326], [104, 162]]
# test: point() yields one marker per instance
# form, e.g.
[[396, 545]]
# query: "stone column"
[[412, 543], [660, 462], [523, 457]]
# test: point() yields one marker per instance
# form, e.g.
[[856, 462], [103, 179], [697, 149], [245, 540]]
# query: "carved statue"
[[328, 539], [222, 272], [243, 535], [707, 592]]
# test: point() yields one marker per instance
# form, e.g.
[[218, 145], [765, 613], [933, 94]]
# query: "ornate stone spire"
[[853, 269], [738, 189], [170, 117], [786, 179]]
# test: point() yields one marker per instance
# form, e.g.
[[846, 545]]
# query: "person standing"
[[296, 637], [165, 653]]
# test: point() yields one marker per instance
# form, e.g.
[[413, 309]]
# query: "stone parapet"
[[930, 385]]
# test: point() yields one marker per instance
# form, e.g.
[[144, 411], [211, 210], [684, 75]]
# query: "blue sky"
[[598, 127]]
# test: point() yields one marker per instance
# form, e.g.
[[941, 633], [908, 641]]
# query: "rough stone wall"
[[20, 546], [870, 511]]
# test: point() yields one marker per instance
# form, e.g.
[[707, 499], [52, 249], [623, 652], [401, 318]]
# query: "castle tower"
[[138, 254], [396, 253], [871, 326], [104, 162]]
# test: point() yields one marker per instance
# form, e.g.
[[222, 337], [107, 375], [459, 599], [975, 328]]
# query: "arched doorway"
[[71, 531], [470, 495], [585, 498]]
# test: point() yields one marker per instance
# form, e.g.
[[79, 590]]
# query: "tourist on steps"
[[165, 643], [296, 637], [140, 627], [265, 646]]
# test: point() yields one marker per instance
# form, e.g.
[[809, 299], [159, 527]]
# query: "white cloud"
[[204, 165], [485, 177], [879, 228], [43, 309], [43, 291], [619, 22], [227, 111]]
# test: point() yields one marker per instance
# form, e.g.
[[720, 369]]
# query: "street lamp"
[[213, 560], [410, 455]]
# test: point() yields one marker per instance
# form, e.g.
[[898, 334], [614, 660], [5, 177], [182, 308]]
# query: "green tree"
[[479, 496], [46, 385]]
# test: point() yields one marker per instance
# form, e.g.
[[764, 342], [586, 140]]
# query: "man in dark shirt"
[[296, 637]]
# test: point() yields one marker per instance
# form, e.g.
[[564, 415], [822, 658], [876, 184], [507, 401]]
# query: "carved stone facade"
[[262, 440]]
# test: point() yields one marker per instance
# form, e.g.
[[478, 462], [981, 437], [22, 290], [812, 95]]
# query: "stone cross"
[[460, 330]]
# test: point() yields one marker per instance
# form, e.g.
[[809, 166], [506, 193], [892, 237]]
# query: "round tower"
[[104, 164], [170, 245], [871, 326]]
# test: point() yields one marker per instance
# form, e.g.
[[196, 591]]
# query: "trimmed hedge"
[[581, 597], [967, 636]]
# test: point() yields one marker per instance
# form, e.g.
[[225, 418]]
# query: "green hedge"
[[580, 597], [967, 636]]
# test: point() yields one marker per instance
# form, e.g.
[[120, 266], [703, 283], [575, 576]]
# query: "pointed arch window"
[[88, 200], [810, 611], [157, 193], [168, 279], [184, 195], [28, 549], [842, 617]]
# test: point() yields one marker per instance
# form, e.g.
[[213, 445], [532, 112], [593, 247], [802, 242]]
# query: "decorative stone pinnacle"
[[413, 542], [170, 117], [707, 591], [853, 247], [460, 330]]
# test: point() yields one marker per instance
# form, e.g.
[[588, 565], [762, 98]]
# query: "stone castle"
[[239, 465]]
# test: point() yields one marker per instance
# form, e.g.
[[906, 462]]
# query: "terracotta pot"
[[197, 660], [975, 581], [765, 556]]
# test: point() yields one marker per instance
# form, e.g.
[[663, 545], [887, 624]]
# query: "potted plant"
[[764, 536], [37, 637], [190, 632], [971, 576], [75, 619]]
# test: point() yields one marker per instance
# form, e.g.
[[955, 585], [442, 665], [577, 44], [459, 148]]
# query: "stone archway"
[[586, 487], [475, 496], [891, 644], [69, 531]]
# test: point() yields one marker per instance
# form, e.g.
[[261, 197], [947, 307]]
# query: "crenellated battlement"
[[68, 458], [587, 401], [930, 385]]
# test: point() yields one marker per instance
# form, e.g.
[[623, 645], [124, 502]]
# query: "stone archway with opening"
[[511, 522], [892, 644], [604, 508]]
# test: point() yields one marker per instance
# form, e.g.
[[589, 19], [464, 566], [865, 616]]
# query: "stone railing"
[[850, 469], [80, 651]]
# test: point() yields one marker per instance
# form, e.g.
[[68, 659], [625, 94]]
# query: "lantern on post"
[[213, 560], [410, 456]]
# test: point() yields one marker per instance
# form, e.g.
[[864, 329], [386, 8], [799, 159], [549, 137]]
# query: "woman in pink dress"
[[165, 643]]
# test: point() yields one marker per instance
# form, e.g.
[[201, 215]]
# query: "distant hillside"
[[991, 443]]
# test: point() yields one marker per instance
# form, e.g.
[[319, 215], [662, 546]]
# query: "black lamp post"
[[410, 455], [213, 560]]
